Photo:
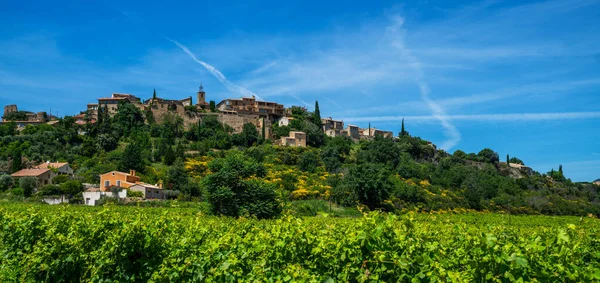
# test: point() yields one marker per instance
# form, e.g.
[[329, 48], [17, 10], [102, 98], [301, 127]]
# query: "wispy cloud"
[[216, 73], [264, 68], [513, 117], [452, 133]]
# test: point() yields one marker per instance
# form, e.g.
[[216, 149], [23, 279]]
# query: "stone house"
[[373, 132], [251, 105], [294, 139], [45, 172], [149, 191], [43, 176], [353, 132], [60, 168], [285, 121], [333, 128]]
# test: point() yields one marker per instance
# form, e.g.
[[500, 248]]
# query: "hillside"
[[243, 174]]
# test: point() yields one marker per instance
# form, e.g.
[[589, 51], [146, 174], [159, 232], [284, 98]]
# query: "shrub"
[[5, 182], [28, 185]]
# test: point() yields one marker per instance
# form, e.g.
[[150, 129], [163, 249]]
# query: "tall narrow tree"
[[560, 169], [16, 163], [154, 95], [508, 160], [317, 116], [403, 132], [264, 136]]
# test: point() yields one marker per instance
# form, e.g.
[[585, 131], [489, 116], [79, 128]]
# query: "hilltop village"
[[233, 112], [244, 156]]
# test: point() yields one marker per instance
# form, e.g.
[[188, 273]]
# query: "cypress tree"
[[264, 136], [317, 116], [16, 163], [560, 169], [507, 160], [154, 94], [403, 132]]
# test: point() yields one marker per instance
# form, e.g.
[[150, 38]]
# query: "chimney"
[[133, 172]]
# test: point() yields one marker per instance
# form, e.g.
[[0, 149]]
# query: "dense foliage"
[[118, 244], [242, 174]]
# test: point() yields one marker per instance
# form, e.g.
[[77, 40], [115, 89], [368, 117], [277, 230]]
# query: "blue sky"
[[520, 77]]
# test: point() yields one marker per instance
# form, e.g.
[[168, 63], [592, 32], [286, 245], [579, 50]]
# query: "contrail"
[[438, 112], [231, 86]]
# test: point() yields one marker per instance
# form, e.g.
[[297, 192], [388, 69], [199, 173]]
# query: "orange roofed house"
[[118, 179]]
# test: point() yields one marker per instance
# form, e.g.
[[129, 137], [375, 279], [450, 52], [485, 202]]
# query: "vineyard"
[[66, 244]]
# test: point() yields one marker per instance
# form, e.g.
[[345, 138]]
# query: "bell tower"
[[201, 96]]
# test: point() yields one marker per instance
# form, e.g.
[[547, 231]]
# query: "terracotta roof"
[[93, 190], [33, 172], [53, 165], [112, 98]]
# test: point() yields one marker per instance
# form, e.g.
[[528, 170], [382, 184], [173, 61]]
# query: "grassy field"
[[115, 243]]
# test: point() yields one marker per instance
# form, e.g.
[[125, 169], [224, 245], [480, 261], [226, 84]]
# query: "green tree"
[[515, 160], [179, 180], [308, 161], [16, 163], [49, 190], [379, 150], [250, 134], [370, 183], [317, 116], [212, 106], [507, 159], [72, 187], [132, 158], [314, 135], [403, 132], [27, 184], [5, 182], [488, 155], [230, 192], [59, 179], [128, 118]]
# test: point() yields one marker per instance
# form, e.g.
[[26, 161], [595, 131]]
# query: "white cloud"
[[216, 73], [397, 32], [513, 117]]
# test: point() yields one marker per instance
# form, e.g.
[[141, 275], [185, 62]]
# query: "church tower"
[[201, 96]]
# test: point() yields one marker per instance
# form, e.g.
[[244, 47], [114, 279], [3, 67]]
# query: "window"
[[87, 200], [106, 183], [118, 183], [45, 182]]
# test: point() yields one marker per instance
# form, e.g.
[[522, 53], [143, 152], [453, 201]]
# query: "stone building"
[[294, 139], [252, 106], [353, 132], [45, 172], [43, 176], [149, 191], [333, 128], [373, 132], [112, 103]]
